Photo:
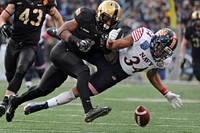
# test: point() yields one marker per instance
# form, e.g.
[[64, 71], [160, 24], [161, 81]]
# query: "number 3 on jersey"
[[25, 16]]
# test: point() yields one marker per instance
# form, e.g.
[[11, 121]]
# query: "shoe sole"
[[100, 114], [2, 110]]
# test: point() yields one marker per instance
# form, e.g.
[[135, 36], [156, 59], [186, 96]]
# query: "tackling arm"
[[65, 30], [120, 43]]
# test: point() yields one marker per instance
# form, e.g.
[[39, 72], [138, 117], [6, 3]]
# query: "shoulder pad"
[[84, 14]]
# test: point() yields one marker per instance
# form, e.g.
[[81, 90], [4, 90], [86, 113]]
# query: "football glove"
[[6, 30], [174, 99], [53, 32], [113, 35], [85, 45]]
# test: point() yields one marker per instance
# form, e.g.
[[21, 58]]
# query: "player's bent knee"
[[22, 69]]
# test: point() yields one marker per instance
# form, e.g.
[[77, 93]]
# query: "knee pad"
[[22, 69]]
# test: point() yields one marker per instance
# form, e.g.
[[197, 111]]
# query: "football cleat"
[[11, 108], [34, 107], [97, 112], [2, 109]]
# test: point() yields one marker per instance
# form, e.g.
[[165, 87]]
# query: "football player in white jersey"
[[141, 51]]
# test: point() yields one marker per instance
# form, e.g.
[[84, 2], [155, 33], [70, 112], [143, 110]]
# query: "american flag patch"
[[136, 34]]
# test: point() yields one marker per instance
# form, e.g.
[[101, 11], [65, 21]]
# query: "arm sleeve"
[[187, 33]]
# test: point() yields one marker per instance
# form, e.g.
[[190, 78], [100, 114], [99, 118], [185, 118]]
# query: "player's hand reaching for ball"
[[174, 99]]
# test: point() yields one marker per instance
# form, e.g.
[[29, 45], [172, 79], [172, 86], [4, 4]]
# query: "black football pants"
[[18, 59]]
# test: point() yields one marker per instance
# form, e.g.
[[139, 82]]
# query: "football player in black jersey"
[[23, 39], [97, 82], [192, 34], [80, 39]]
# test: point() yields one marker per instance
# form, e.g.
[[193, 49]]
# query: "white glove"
[[113, 35], [174, 99]]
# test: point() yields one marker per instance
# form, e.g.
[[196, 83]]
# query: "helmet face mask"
[[108, 11], [163, 44]]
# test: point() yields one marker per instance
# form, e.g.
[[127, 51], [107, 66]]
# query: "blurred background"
[[153, 14]]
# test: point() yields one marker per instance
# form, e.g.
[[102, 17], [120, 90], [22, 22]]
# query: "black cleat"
[[97, 112], [11, 108], [34, 107], [3, 107]]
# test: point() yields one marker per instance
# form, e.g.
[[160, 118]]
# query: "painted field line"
[[151, 100], [105, 124]]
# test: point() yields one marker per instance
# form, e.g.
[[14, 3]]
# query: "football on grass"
[[142, 116]]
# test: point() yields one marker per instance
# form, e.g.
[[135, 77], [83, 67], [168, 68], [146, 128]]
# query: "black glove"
[[6, 30], [53, 32], [85, 45], [183, 63]]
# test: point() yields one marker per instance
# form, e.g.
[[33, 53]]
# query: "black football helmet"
[[108, 10], [163, 44]]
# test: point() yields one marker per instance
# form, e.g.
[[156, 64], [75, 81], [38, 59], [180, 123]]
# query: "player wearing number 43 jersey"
[[24, 35], [140, 51]]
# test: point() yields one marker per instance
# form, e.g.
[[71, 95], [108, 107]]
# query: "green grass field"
[[123, 98]]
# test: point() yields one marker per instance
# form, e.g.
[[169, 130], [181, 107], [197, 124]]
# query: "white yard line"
[[151, 100]]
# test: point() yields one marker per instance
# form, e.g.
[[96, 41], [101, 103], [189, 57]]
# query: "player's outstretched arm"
[[156, 82]]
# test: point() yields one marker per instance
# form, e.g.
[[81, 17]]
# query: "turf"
[[123, 98]]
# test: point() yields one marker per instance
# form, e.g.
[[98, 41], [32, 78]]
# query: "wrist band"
[[109, 43], [73, 39], [164, 91]]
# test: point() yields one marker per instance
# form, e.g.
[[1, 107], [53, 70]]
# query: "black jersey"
[[28, 19], [87, 29], [193, 36]]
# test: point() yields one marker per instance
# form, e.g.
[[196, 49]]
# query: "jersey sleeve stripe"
[[137, 34]]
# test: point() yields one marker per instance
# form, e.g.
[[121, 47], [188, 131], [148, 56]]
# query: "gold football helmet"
[[196, 15], [108, 10], [196, 18]]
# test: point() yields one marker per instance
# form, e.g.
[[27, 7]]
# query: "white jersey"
[[137, 57]]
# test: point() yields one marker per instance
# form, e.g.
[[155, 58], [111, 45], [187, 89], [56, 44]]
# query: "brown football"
[[142, 116]]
